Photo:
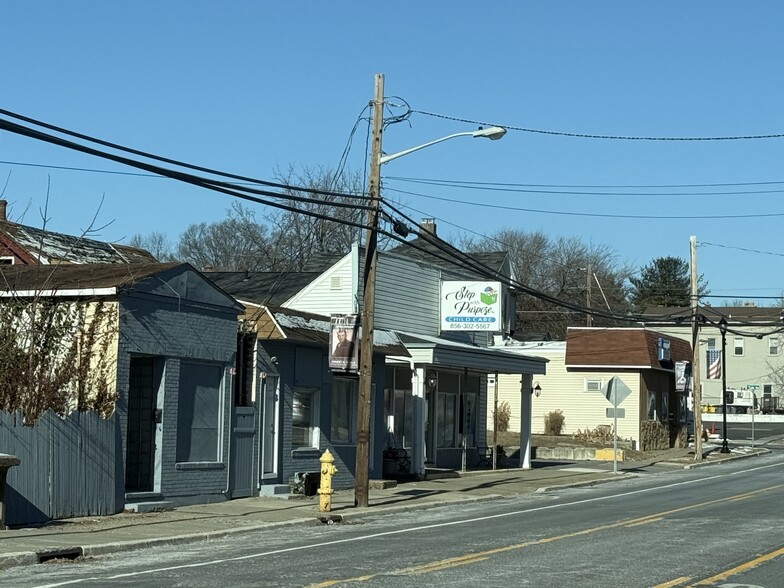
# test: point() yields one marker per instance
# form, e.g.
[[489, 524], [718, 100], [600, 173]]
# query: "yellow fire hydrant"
[[325, 487]]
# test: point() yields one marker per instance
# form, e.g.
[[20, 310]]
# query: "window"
[[711, 342], [448, 410], [304, 418], [651, 405], [6, 260], [198, 413], [344, 411], [738, 346], [243, 378], [773, 346], [447, 420], [593, 384]]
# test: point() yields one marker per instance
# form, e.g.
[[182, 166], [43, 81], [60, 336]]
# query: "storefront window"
[[304, 418], [344, 411]]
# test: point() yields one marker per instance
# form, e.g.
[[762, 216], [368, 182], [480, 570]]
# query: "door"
[[142, 416], [242, 441], [268, 462]]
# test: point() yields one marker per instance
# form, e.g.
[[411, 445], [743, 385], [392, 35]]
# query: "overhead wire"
[[599, 136], [167, 160], [586, 214], [216, 185], [520, 190]]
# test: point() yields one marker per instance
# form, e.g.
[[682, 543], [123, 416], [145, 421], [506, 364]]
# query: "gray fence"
[[69, 467]]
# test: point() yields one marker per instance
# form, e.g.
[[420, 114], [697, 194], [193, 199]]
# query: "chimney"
[[3, 206], [428, 225]]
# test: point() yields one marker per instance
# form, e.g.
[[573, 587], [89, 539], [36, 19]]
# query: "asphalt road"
[[763, 432], [711, 526]]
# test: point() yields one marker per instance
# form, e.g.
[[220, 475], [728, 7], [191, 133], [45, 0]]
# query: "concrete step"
[[275, 490], [148, 506]]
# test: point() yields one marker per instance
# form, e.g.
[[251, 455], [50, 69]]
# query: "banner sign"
[[471, 306], [344, 343]]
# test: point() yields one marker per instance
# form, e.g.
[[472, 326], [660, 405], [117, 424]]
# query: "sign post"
[[615, 391]]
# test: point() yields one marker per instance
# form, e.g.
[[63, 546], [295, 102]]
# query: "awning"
[[443, 352]]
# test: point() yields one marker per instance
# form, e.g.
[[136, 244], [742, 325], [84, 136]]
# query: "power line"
[[588, 214], [154, 157], [603, 186], [742, 249], [596, 136], [515, 190]]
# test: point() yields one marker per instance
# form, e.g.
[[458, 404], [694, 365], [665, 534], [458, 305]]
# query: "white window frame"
[[6, 260], [588, 381], [773, 345], [314, 432], [737, 346], [711, 342]]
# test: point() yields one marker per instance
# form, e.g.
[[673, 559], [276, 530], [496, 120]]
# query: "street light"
[[361, 473], [492, 133], [723, 328]]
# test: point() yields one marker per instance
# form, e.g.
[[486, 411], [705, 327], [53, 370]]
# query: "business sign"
[[344, 343], [471, 306]]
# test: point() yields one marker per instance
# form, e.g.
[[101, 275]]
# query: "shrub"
[[554, 422], [501, 416]]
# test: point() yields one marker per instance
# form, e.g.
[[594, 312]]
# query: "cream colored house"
[[579, 371]]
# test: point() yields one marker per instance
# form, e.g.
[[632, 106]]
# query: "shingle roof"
[[76, 277], [275, 323], [424, 250], [57, 247], [261, 287], [619, 347]]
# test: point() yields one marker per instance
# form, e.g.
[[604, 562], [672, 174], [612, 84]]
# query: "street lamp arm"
[[493, 133]]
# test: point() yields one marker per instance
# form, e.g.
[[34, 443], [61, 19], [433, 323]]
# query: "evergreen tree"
[[664, 282]]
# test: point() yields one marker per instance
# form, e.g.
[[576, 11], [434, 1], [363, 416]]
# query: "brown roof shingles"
[[621, 348]]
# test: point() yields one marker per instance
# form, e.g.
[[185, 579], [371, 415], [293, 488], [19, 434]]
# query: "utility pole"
[[361, 474], [589, 276], [695, 353]]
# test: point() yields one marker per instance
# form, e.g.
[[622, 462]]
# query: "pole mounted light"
[[492, 133], [361, 472], [725, 448]]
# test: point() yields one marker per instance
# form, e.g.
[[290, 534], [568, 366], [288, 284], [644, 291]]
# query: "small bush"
[[501, 417], [601, 434], [554, 422]]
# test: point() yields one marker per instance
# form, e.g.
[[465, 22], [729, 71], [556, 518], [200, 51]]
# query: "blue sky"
[[250, 87]]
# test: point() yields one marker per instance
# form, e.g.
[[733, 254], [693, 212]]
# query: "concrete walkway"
[[72, 538]]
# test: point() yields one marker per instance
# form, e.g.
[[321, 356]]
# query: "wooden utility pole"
[[589, 276], [361, 473], [695, 353]]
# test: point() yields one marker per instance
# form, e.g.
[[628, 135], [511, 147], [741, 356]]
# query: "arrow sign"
[[615, 391]]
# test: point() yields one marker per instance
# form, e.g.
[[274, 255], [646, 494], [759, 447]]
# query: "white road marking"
[[402, 531]]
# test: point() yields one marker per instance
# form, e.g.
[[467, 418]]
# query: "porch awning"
[[443, 352]]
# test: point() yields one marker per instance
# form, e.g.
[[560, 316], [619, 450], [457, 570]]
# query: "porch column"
[[525, 420], [418, 444]]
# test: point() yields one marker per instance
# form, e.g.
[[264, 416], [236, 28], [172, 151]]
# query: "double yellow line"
[[471, 558]]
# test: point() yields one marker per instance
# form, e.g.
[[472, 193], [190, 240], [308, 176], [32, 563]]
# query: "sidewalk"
[[71, 538]]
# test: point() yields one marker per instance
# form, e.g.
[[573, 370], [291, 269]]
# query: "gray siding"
[[177, 331], [69, 467], [405, 304]]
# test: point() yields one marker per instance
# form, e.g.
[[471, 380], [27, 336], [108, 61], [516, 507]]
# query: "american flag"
[[714, 364]]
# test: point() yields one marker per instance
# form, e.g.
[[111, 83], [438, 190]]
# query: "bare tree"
[[298, 237], [235, 243], [157, 243], [559, 268]]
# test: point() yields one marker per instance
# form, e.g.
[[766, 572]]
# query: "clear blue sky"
[[250, 87]]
